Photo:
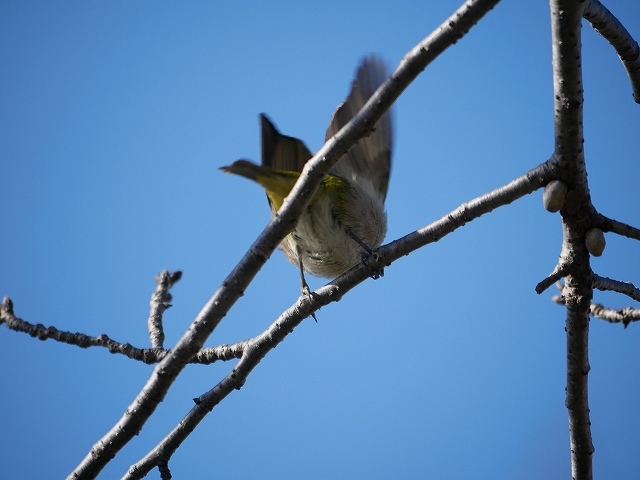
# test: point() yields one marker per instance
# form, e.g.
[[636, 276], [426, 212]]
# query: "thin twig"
[[160, 301], [558, 272], [609, 225], [607, 25], [608, 284], [149, 356], [624, 315], [165, 472]]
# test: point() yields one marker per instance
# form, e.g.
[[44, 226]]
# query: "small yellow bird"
[[345, 220]]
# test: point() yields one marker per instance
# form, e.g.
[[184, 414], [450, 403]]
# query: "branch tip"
[[163, 468], [557, 274], [6, 308]]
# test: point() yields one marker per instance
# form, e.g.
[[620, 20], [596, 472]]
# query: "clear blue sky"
[[114, 119]]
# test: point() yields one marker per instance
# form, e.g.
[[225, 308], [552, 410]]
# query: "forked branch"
[[234, 285], [257, 348], [577, 216]]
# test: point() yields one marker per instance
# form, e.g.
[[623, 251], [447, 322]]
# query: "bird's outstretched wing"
[[370, 158]]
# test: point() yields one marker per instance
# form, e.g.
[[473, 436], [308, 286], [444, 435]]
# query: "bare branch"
[[165, 472], [607, 25], [232, 288], [624, 316], [256, 349], [221, 352], [610, 225], [160, 301], [577, 400], [577, 216], [558, 272], [534, 179], [527, 183], [149, 356], [626, 288], [521, 186]]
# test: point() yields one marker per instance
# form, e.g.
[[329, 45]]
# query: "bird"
[[345, 220]]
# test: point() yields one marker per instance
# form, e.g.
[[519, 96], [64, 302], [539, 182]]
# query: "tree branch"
[[559, 271], [253, 350], [234, 285], [160, 301], [624, 316], [385, 255], [607, 25], [626, 288], [149, 355], [519, 187], [256, 349], [609, 225], [577, 218]]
